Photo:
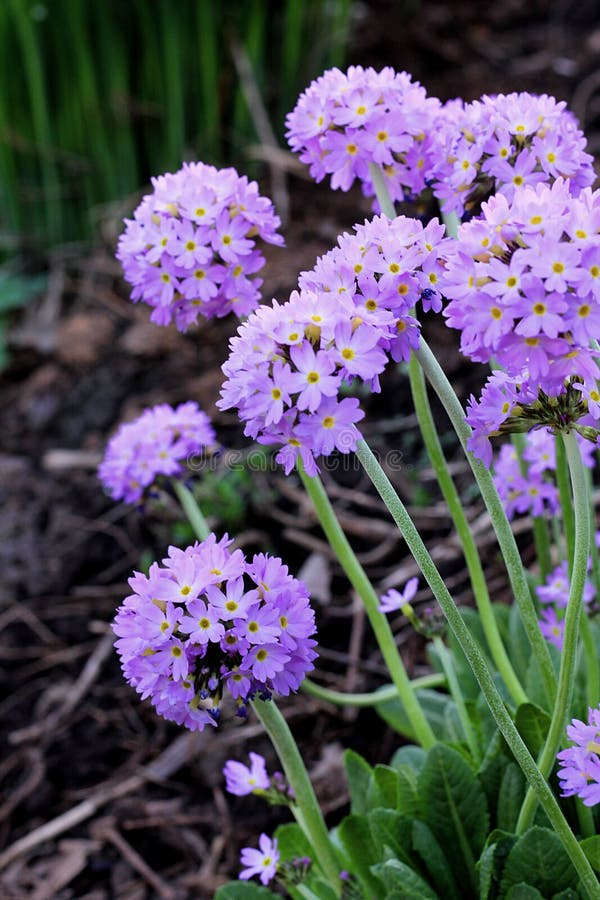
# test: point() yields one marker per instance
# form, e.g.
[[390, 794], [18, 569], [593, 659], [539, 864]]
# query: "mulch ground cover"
[[99, 798]]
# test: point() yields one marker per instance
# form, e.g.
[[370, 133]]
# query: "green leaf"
[[402, 882], [292, 842], [434, 706], [591, 848], [523, 892], [383, 790], [539, 859], [390, 829], [17, 290], [568, 894], [357, 840], [532, 723], [435, 861], [244, 890], [491, 864], [490, 777], [358, 773], [453, 804], [510, 797], [517, 645], [409, 756], [407, 801]]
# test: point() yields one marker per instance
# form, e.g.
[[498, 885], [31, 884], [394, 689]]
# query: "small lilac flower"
[[184, 641], [579, 765], [190, 246], [552, 627], [157, 443], [395, 600], [242, 780], [262, 862]]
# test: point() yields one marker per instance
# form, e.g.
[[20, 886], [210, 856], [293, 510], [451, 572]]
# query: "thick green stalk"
[[501, 525], [480, 669], [191, 509], [564, 493], [389, 692], [448, 488], [581, 549], [541, 532], [306, 808], [379, 623]]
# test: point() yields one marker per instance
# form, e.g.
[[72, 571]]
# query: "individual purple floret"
[[156, 443], [552, 627], [261, 862], [395, 600], [190, 248], [289, 363], [243, 780], [501, 143], [346, 120], [207, 623], [579, 765]]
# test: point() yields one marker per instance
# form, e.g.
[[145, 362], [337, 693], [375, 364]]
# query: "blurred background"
[[98, 797]]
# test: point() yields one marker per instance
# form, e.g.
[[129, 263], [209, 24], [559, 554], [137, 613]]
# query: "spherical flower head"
[[262, 862], [499, 144], [156, 444], [191, 247], [579, 765], [290, 364], [345, 121], [204, 625]]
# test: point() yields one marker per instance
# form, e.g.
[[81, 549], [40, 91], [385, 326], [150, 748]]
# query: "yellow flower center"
[[313, 377]]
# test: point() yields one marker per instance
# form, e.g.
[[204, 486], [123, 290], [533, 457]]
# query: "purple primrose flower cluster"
[[155, 444], [208, 622], [190, 248], [354, 311]]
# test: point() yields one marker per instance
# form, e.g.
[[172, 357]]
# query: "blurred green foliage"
[[98, 96]]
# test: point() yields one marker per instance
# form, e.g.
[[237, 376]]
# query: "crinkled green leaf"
[[383, 790], [532, 723], [591, 848], [292, 842], [510, 797], [393, 830], [433, 704], [407, 801], [523, 892], [364, 853], [402, 882], [358, 773], [435, 861], [409, 756], [453, 804], [539, 859]]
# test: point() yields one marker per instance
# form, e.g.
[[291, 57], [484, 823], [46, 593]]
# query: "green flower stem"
[[585, 817], [480, 669], [564, 493], [581, 549], [541, 532], [456, 693], [451, 222], [388, 692], [506, 538], [379, 623], [593, 546], [306, 808], [191, 509], [381, 192], [448, 488], [592, 665]]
